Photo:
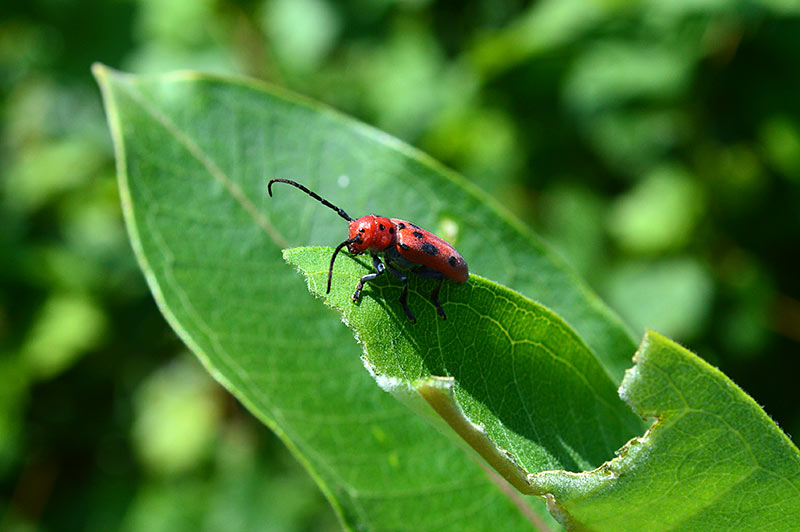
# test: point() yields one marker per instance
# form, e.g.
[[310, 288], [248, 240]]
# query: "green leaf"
[[510, 366], [712, 461], [193, 154]]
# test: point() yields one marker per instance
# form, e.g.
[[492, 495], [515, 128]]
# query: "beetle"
[[402, 244]]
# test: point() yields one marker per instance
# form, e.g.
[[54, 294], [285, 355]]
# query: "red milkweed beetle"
[[407, 246]]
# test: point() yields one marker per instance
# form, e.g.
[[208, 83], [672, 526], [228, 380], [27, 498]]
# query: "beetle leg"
[[379, 269], [435, 298], [404, 293], [433, 274]]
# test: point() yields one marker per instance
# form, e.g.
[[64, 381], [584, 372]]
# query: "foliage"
[[657, 145], [708, 462], [514, 379]]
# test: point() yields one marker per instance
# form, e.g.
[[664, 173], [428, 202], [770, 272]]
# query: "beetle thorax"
[[373, 233]]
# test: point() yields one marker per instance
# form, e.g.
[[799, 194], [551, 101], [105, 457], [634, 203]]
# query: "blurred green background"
[[655, 144]]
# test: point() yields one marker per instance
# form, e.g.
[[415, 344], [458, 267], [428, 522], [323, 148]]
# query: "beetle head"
[[371, 233]]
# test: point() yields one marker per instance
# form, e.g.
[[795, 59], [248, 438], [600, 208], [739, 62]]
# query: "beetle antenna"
[[314, 195], [338, 249]]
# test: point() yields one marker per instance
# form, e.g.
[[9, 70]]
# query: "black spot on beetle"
[[401, 226], [391, 230], [417, 234], [415, 226], [430, 249], [452, 261], [404, 246], [361, 230], [382, 227]]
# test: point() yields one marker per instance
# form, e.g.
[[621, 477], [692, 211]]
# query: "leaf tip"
[[99, 71], [303, 261], [103, 73]]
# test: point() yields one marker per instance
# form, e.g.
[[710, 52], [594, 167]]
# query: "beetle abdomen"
[[423, 247]]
